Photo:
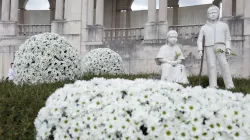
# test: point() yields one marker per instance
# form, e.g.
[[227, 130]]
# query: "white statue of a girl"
[[170, 58]]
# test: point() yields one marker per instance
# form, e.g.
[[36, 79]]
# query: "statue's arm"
[[179, 61], [162, 60], [173, 63], [228, 38], [199, 40]]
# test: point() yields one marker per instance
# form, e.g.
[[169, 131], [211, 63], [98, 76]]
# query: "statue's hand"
[[200, 53], [228, 52], [174, 63]]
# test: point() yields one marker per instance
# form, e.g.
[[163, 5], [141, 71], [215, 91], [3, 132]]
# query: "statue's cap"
[[171, 32], [213, 7]]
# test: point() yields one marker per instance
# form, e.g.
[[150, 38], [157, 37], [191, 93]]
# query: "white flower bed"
[[46, 58], [143, 109], [102, 61]]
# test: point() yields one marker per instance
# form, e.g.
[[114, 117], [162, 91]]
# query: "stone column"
[[52, 14], [5, 10], [151, 30], [152, 10], [99, 12], [95, 32], [163, 20], [59, 10], [84, 34], [128, 19], [247, 9], [0, 9], [239, 7], [90, 12], [21, 18], [118, 15], [114, 14], [14, 10], [175, 15], [246, 54], [163, 10], [227, 8], [66, 9], [247, 23], [9, 27]]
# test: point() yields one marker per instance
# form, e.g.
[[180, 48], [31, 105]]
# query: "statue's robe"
[[169, 72]]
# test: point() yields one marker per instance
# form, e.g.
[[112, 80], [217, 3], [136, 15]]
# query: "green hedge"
[[19, 105]]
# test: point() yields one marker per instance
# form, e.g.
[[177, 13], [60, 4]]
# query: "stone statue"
[[217, 46], [170, 58]]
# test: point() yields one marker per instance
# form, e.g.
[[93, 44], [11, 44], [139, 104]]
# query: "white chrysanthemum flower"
[[222, 136], [142, 109], [206, 135], [183, 133], [46, 58], [239, 135], [103, 61], [169, 132]]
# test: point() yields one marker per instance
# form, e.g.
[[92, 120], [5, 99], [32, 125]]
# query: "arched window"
[[180, 12], [37, 5], [36, 11], [143, 4], [184, 3]]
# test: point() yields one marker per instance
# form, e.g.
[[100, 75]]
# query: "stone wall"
[[139, 58], [36, 17], [8, 46]]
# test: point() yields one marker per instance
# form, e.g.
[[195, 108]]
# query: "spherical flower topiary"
[[103, 61], [103, 109], [46, 58]]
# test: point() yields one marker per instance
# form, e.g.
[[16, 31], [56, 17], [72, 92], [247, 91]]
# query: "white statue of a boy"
[[217, 45], [170, 58]]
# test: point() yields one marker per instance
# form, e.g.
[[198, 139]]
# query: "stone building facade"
[[135, 35]]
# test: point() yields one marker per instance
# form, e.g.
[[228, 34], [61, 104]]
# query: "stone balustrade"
[[120, 34], [32, 29], [187, 31]]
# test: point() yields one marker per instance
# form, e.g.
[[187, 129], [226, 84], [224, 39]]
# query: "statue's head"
[[172, 37], [213, 13]]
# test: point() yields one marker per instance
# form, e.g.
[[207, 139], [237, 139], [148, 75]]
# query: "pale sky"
[[137, 5]]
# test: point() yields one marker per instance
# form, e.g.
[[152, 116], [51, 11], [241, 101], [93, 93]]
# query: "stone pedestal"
[[150, 32], [8, 29], [58, 26], [95, 35], [155, 32], [163, 30]]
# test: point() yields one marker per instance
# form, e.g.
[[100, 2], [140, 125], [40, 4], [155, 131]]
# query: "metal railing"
[[33, 29], [120, 34]]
